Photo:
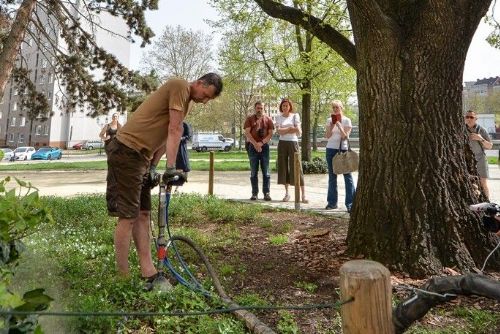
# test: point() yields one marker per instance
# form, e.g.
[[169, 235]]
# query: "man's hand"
[[174, 177], [153, 177], [258, 146], [475, 136]]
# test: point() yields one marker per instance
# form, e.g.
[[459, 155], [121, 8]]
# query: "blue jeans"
[[262, 158], [350, 190]]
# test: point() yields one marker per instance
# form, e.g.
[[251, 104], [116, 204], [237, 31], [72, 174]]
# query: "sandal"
[[305, 201], [286, 198]]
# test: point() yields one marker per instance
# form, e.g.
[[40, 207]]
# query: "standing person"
[[479, 140], [288, 127], [258, 131], [154, 128], [109, 131], [338, 128]]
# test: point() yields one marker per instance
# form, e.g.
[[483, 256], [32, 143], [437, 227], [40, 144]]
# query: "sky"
[[482, 61]]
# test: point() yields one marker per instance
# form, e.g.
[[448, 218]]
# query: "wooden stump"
[[368, 282]]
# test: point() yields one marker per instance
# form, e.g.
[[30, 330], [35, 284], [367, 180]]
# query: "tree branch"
[[324, 32]]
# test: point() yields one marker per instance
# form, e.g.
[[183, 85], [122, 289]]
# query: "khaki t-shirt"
[[147, 129]]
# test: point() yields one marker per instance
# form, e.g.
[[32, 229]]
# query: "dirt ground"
[[314, 253]]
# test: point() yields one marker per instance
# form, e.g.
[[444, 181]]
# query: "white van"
[[203, 142]]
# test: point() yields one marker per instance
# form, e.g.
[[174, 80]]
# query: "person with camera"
[[288, 127], [258, 131], [479, 141], [154, 128], [337, 130]]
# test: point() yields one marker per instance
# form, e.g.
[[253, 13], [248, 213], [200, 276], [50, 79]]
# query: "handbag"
[[345, 162]]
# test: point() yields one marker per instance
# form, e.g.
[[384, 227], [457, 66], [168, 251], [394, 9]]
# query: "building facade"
[[62, 127]]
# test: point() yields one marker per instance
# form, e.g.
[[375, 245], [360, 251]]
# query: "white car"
[[24, 152], [7, 153]]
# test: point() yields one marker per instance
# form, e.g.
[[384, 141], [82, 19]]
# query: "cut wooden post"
[[296, 179], [211, 174], [368, 282]]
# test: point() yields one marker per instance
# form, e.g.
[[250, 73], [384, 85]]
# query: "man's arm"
[[175, 130], [268, 137]]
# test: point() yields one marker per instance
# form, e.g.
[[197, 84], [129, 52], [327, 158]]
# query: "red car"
[[78, 146]]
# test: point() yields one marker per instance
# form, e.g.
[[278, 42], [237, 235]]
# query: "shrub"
[[316, 166], [1, 155], [20, 214]]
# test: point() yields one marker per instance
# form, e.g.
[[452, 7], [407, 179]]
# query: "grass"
[[75, 257], [225, 161]]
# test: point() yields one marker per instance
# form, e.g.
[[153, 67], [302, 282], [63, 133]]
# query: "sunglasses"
[[470, 117]]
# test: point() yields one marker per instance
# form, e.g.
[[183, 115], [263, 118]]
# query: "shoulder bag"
[[345, 162]]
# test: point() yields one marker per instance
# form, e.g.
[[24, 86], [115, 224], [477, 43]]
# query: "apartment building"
[[61, 127]]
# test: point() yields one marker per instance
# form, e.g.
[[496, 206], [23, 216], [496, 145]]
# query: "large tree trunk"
[[13, 41], [411, 208]]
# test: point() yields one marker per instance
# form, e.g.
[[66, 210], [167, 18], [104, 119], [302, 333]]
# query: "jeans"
[[350, 190], [262, 157]]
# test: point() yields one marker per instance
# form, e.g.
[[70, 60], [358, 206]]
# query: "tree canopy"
[[65, 35]]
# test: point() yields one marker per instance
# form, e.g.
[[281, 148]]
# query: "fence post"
[[296, 176], [211, 175], [368, 282]]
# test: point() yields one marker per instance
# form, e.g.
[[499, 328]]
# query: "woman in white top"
[[338, 128], [288, 127]]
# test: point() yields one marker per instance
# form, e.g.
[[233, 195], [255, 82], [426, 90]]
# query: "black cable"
[[179, 314]]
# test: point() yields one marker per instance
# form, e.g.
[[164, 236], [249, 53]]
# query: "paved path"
[[228, 185]]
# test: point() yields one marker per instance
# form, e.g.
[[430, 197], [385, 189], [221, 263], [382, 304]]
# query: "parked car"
[[78, 146], [91, 144], [214, 142], [24, 152], [47, 153], [7, 153]]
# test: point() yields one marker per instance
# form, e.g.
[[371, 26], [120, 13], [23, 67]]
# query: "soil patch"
[[305, 268]]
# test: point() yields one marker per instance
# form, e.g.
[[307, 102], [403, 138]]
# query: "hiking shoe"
[[267, 197], [331, 207], [253, 198]]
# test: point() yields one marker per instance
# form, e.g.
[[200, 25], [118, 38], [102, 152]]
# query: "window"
[[51, 77], [16, 91], [11, 137], [41, 80], [13, 121], [14, 106], [21, 138], [23, 121], [45, 129], [49, 95], [1, 114], [38, 130], [44, 63]]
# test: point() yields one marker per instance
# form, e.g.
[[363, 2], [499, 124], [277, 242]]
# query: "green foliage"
[[316, 166], [287, 323], [278, 239], [308, 287], [1, 155], [21, 213]]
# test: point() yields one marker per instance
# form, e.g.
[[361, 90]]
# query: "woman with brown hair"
[[288, 127], [109, 131]]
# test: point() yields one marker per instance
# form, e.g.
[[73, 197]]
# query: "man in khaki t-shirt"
[[154, 128]]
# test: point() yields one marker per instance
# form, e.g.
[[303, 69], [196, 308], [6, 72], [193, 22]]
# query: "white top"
[[292, 120], [334, 140]]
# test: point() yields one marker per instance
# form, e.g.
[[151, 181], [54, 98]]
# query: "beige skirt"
[[286, 151]]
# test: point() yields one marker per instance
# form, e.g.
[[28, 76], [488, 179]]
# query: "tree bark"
[[306, 121], [411, 207], [13, 41], [411, 210]]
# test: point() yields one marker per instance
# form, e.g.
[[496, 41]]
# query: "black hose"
[[439, 290], [251, 321]]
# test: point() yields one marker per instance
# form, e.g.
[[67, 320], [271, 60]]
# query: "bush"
[[316, 166], [1, 155]]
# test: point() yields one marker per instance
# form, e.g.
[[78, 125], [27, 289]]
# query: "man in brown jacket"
[[154, 128]]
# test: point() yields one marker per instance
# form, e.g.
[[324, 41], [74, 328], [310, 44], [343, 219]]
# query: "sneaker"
[[253, 198], [158, 282], [267, 197], [331, 207]]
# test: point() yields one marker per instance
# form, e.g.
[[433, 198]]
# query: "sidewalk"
[[228, 185]]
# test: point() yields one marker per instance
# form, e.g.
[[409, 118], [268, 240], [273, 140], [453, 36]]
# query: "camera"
[[491, 221]]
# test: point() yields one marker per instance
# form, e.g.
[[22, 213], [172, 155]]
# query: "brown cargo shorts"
[[127, 190]]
